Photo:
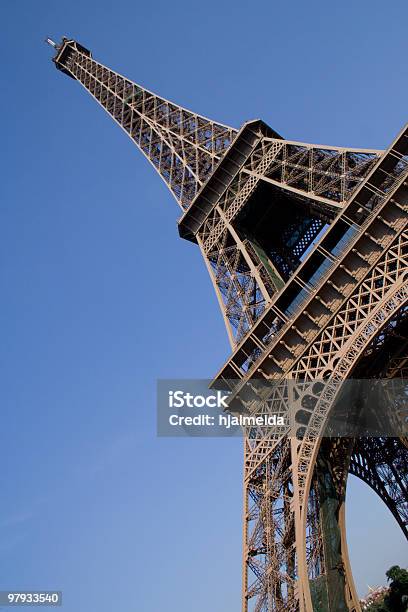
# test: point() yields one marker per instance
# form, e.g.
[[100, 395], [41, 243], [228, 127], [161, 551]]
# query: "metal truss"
[[317, 344], [307, 248], [326, 174], [382, 463], [183, 147], [321, 178]]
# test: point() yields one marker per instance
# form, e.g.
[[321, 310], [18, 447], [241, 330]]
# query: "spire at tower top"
[[51, 42], [184, 147]]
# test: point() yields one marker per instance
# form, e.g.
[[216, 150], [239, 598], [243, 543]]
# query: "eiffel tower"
[[306, 246]]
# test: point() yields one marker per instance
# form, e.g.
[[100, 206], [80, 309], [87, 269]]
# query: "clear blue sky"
[[101, 298]]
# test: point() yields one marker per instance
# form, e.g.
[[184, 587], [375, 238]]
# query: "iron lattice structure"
[[306, 246]]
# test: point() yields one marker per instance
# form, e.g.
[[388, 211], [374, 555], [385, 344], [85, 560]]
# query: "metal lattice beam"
[[184, 147]]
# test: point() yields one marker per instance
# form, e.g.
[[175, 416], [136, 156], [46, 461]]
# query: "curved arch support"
[[309, 449]]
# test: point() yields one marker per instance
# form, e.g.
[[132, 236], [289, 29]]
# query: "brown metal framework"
[[306, 246]]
